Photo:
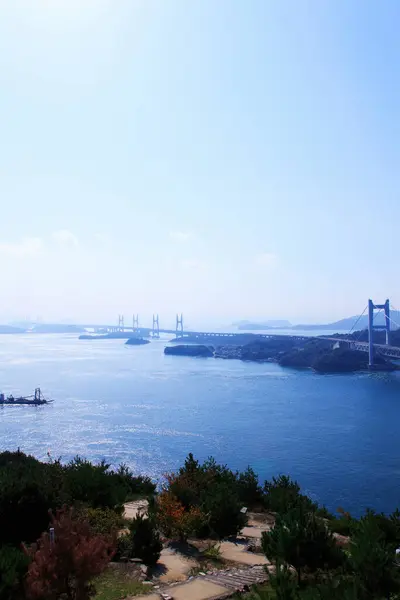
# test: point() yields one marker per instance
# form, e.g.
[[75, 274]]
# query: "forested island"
[[65, 534], [323, 356]]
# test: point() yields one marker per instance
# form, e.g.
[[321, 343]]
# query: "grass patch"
[[213, 552], [115, 584]]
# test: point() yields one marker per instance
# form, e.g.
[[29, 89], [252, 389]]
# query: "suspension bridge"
[[371, 347], [388, 350]]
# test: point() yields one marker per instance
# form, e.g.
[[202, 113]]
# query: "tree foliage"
[[249, 489], [103, 521], [29, 487], [176, 521], [302, 539], [204, 499], [372, 557], [145, 540], [67, 564], [282, 494], [13, 567]]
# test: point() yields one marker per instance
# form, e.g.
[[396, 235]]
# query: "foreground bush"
[[223, 508], [145, 539], [143, 542], [13, 567], [282, 494], [176, 521], [301, 539], [249, 489], [104, 521], [66, 566], [372, 558], [29, 487], [207, 500]]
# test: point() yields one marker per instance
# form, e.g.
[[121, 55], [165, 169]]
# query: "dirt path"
[[173, 566], [237, 552], [215, 585], [172, 575], [132, 509]]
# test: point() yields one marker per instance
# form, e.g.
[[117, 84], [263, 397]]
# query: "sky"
[[227, 159]]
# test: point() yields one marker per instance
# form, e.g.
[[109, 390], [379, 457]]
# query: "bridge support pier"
[[135, 324], [179, 326], [371, 327], [156, 327]]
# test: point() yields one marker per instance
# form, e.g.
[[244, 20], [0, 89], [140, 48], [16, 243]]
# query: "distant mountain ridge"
[[345, 324], [10, 329], [351, 322], [270, 324]]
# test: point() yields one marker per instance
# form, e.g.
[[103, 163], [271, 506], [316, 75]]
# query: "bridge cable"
[[355, 322], [392, 320]]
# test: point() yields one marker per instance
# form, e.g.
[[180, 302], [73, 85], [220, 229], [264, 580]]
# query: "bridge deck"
[[390, 351]]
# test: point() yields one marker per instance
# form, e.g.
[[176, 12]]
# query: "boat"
[[36, 399]]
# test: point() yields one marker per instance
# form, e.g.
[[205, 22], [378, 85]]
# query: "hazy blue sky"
[[224, 158]]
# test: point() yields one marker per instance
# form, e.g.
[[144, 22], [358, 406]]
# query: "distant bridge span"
[[204, 336]]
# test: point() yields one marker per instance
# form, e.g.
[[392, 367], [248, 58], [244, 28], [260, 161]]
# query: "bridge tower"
[[121, 323], [372, 326], [156, 327], [179, 326], [135, 326]]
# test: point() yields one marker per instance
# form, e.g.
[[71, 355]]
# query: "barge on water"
[[37, 399]]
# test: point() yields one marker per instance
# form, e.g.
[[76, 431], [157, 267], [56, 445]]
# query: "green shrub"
[[13, 567], [213, 489], [213, 552], [301, 539], [282, 494], [146, 540], [24, 503], [136, 486], [372, 559], [249, 489], [341, 525], [104, 521], [324, 513], [143, 541], [29, 487], [94, 485], [124, 549], [223, 507]]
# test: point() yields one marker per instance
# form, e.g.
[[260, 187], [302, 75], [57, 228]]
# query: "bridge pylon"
[[121, 326], [179, 326], [156, 327], [372, 327], [135, 323]]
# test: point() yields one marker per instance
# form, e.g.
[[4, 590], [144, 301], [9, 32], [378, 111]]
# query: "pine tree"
[[301, 539], [372, 560], [145, 539]]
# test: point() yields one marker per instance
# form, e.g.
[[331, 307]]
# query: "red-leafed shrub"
[[66, 566]]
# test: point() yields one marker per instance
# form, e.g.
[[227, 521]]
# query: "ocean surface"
[[338, 435]]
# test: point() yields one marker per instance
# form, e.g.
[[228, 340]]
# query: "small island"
[[190, 350], [136, 341]]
